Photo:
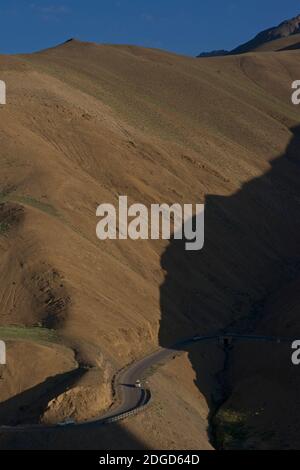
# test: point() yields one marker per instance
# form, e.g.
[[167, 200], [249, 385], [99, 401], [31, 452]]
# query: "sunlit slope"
[[86, 123], [282, 44], [159, 127]]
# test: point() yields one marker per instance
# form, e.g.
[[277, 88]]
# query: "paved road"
[[131, 398]]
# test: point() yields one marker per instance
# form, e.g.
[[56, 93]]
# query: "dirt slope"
[[85, 123], [284, 30], [281, 37], [282, 44]]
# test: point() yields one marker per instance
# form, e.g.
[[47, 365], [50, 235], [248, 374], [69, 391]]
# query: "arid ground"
[[86, 123]]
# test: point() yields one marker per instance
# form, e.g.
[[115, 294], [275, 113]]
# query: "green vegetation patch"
[[230, 429], [42, 206], [37, 334], [4, 228]]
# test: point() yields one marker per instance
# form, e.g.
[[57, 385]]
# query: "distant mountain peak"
[[283, 30], [71, 40], [214, 53]]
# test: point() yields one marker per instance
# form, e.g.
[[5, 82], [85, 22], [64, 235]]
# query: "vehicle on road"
[[138, 384], [68, 422]]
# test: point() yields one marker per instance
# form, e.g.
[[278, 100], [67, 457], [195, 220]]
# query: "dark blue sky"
[[183, 26]]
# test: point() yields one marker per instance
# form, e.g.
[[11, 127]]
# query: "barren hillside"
[[86, 123], [285, 36]]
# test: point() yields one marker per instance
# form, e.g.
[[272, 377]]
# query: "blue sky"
[[183, 26]]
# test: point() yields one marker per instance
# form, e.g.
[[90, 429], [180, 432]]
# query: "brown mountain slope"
[[282, 44], [86, 123], [284, 30], [284, 36]]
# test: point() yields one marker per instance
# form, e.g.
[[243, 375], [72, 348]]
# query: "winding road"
[[131, 399]]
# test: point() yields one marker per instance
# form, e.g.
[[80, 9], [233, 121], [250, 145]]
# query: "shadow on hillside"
[[251, 249], [27, 407], [95, 437]]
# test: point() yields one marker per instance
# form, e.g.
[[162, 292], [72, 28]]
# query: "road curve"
[[130, 398]]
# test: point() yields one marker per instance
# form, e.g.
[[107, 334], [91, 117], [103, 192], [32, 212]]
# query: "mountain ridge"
[[87, 123], [285, 29]]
